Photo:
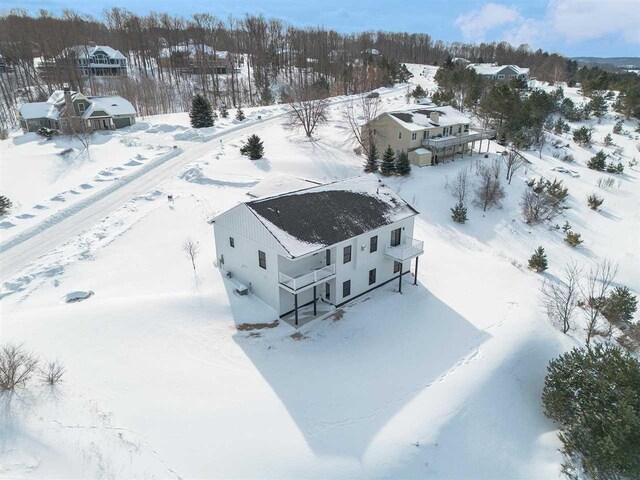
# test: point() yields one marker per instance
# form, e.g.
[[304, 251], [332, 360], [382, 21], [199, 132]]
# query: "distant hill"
[[614, 61]]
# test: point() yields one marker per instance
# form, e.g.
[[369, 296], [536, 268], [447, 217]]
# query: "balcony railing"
[[409, 248], [455, 140], [307, 279]]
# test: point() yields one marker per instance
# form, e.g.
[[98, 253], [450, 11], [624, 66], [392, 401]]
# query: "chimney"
[[435, 116]]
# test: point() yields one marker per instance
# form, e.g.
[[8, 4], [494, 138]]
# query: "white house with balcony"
[[317, 248]]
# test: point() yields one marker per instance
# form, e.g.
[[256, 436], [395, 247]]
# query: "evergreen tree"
[[372, 159], [403, 167], [5, 205], [598, 162], [592, 395], [459, 213], [388, 165], [594, 201], [620, 305], [608, 139], [201, 113], [224, 111], [598, 106], [538, 261], [418, 92], [254, 148], [582, 136], [240, 114]]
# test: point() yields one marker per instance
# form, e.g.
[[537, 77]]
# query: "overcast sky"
[[607, 28]]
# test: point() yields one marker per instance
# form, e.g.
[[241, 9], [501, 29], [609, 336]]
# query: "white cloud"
[[475, 24]]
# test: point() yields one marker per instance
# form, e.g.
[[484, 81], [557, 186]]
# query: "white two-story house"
[[329, 243]]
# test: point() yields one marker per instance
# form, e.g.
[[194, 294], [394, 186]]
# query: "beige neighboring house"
[[500, 73], [66, 110], [427, 134]]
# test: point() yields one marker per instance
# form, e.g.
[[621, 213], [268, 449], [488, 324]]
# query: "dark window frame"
[[396, 267], [232, 242], [346, 288], [373, 244], [396, 237], [346, 254], [372, 276], [262, 259]]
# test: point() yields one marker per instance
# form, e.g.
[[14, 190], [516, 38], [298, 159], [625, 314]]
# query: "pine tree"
[[598, 161], [372, 159], [418, 92], [594, 201], [224, 111], [403, 167], [201, 113], [254, 149], [5, 205], [388, 165], [459, 213], [608, 139], [620, 305], [538, 261], [240, 114]]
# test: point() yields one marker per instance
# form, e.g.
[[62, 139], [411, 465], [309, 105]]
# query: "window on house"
[[414, 136], [81, 107], [232, 242], [372, 276], [346, 288], [466, 128], [396, 267], [373, 244], [399, 135], [395, 237], [262, 259], [425, 135], [460, 129], [500, 76], [346, 254], [327, 290]]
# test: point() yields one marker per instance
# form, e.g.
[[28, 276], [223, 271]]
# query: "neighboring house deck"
[[195, 59], [500, 73], [428, 134], [324, 244], [67, 111], [91, 61]]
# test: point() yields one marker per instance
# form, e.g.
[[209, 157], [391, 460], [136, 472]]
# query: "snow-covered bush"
[[594, 201], [17, 366], [5, 205], [459, 213], [52, 372], [573, 239], [538, 261]]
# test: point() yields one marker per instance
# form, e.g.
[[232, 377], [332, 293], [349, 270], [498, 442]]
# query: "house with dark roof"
[[429, 134], [500, 73], [91, 60], [311, 250]]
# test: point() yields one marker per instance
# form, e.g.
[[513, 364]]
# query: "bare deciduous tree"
[[17, 366], [535, 208], [489, 190], [594, 291], [191, 249], [359, 113], [559, 298], [513, 162], [460, 185], [308, 107], [52, 373]]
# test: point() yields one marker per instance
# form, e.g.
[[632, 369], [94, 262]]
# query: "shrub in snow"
[[52, 373], [254, 149], [538, 261], [489, 190], [598, 161], [5, 205], [592, 395], [567, 158], [459, 213], [388, 165], [240, 115], [615, 167], [620, 306], [191, 250], [224, 111], [201, 113], [582, 136], [594, 201], [573, 239], [17, 366], [566, 227], [46, 132], [617, 128], [418, 92], [403, 167], [606, 182], [371, 164], [608, 139]]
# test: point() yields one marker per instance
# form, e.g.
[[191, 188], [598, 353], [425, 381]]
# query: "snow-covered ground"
[[441, 381]]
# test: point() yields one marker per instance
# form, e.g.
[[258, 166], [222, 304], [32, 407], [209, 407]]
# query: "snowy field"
[[442, 381]]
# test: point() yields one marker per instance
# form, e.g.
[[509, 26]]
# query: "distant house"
[[500, 73], [195, 59], [91, 60], [66, 110], [460, 61], [428, 134], [319, 247]]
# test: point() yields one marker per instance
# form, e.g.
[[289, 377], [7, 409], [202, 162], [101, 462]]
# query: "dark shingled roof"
[[332, 213], [405, 117]]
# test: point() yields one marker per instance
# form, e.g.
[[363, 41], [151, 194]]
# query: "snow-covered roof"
[[314, 218], [191, 49], [279, 183], [493, 69], [54, 106], [35, 110], [420, 118], [86, 51], [113, 105]]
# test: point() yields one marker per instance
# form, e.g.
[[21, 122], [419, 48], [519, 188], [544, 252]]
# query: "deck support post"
[[400, 278], [415, 278], [314, 301], [295, 306]]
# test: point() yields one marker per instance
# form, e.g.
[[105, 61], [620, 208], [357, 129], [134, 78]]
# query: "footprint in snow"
[[86, 186], [7, 224], [58, 198], [40, 207], [25, 216]]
